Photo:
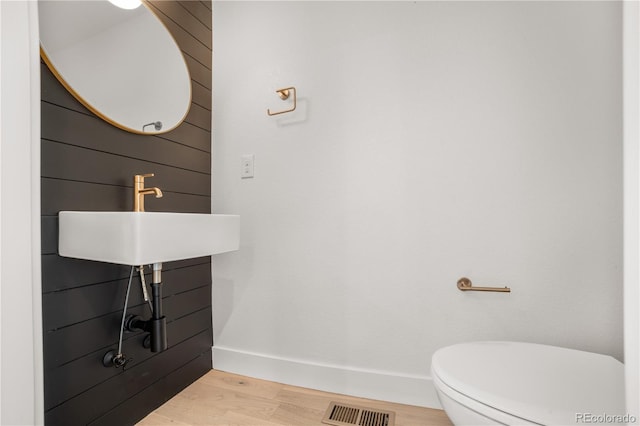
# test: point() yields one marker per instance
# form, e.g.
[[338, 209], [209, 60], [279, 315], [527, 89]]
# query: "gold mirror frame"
[[118, 114]]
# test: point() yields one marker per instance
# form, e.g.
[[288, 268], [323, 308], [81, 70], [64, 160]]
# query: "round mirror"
[[122, 64]]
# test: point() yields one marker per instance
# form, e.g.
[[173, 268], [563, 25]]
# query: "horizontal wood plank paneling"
[[69, 162], [68, 343], [200, 73], [108, 395], [182, 304], [58, 195], [63, 273], [71, 195], [178, 14], [49, 234], [104, 298], [138, 406], [193, 136], [189, 44], [180, 203], [199, 11], [201, 95], [64, 125], [79, 375], [51, 91], [199, 116], [87, 164]]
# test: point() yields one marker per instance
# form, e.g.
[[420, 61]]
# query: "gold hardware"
[[465, 284], [284, 94], [139, 191]]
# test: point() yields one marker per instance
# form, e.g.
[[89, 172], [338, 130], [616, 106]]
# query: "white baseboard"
[[372, 384]]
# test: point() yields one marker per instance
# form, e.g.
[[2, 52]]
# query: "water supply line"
[[118, 359], [143, 282]]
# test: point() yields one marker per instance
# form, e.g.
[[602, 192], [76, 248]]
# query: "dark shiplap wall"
[[88, 164]]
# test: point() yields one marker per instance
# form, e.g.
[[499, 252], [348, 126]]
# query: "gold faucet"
[[139, 191]]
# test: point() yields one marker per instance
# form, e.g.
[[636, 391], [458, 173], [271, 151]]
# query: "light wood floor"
[[220, 398]]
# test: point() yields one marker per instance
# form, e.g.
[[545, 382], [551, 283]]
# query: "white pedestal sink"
[[142, 238]]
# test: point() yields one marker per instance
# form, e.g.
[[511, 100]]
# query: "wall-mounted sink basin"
[[142, 238]]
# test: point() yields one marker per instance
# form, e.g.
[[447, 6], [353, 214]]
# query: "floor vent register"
[[345, 415]]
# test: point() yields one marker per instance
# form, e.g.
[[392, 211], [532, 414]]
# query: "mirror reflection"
[[122, 64]]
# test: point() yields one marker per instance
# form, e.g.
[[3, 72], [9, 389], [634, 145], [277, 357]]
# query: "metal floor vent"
[[345, 415]]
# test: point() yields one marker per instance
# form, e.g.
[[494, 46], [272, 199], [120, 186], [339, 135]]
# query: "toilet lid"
[[542, 384]]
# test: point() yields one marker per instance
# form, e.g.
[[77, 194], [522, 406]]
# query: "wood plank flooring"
[[220, 398]]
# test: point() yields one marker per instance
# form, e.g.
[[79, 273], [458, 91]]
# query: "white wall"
[[632, 205], [21, 377], [432, 140]]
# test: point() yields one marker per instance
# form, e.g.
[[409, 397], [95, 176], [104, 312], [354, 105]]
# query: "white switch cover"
[[246, 170]]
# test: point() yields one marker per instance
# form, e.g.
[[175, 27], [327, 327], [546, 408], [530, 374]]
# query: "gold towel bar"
[[284, 94], [464, 284]]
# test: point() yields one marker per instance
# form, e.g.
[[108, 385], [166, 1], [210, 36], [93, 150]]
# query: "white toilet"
[[511, 383]]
